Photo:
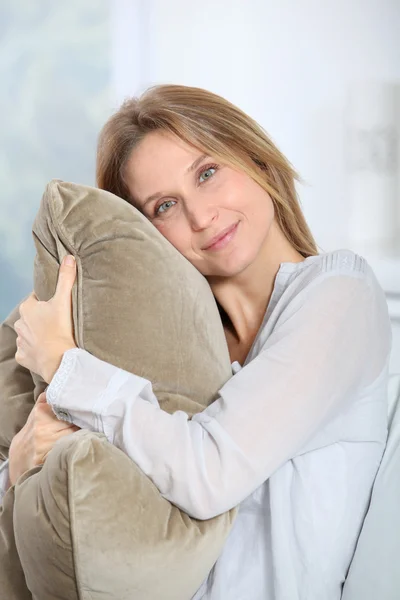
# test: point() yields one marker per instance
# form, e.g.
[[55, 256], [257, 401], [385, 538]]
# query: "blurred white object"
[[371, 150], [387, 270], [374, 571]]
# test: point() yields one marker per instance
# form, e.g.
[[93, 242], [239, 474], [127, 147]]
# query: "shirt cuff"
[[4, 479], [84, 387], [55, 389]]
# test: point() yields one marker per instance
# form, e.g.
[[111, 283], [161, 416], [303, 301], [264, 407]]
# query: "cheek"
[[267, 209], [261, 204], [236, 195], [166, 231], [174, 234]]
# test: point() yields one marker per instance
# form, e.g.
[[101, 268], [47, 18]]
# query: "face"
[[193, 199]]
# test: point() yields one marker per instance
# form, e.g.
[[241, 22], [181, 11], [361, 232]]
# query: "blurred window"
[[55, 94]]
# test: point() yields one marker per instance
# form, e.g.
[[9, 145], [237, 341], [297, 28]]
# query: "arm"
[[334, 338]]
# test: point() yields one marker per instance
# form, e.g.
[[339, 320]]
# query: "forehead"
[[157, 161]]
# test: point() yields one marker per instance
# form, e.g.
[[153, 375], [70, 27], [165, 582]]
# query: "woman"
[[297, 434]]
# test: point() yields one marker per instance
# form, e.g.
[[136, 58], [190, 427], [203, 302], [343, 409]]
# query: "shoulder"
[[336, 270], [328, 307], [335, 284], [337, 262]]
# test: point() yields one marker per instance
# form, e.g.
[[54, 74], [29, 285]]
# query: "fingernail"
[[69, 261]]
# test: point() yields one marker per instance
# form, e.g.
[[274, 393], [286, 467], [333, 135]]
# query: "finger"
[[60, 434], [66, 280], [42, 398], [45, 416], [20, 357], [27, 303], [20, 328], [72, 429], [18, 325]]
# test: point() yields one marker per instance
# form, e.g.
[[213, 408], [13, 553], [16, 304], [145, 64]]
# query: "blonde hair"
[[214, 126]]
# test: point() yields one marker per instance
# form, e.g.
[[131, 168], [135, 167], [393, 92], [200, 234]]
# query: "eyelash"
[[198, 173]]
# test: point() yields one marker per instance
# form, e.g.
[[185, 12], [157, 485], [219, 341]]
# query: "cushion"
[[18, 387], [12, 578], [374, 572], [90, 524]]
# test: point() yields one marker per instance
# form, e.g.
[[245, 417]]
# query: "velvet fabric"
[[19, 388], [90, 524]]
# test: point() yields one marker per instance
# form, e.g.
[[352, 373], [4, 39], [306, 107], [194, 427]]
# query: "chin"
[[225, 268]]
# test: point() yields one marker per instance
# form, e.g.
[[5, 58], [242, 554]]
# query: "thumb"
[[66, 279]]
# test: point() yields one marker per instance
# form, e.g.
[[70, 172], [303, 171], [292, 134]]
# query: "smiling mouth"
[[223, 239]]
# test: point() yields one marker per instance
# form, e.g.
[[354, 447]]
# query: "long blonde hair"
[[214, 126]]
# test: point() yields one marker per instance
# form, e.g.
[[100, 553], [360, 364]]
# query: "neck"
[[243, 299]]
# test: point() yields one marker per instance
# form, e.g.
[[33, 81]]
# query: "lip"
[[222, 238]]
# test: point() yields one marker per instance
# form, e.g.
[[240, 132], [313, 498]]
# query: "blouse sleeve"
[[332, 339]]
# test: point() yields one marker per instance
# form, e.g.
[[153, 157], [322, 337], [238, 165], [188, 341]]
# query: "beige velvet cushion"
[[17, 386], [90, 524], [12, 578]]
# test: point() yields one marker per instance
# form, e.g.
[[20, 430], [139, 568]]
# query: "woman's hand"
[[45, 329], [30, 447]]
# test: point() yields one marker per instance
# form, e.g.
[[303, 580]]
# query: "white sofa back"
[[374, 573]]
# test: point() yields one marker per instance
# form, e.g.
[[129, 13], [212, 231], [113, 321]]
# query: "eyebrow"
[[190, 169]]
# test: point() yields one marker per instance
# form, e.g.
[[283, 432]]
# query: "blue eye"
[[207, 173], [158, 210]]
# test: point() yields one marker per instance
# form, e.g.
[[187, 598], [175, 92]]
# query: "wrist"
[[52, 364]]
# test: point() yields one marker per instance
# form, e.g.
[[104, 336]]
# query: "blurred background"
[[323, 79]]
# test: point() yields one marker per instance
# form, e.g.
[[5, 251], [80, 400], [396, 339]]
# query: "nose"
[[201, 214]]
